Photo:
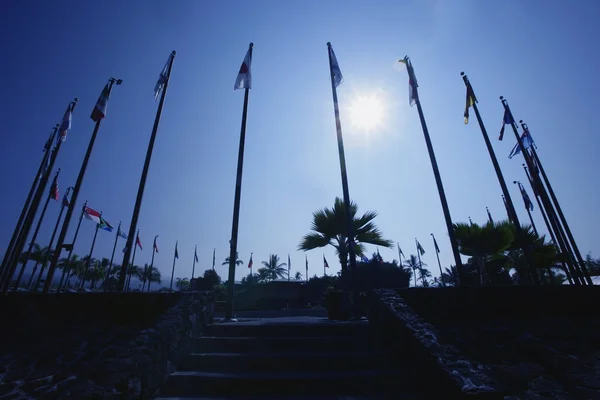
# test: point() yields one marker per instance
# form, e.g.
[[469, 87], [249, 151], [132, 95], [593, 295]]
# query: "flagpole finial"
[[501, 97], [462, 74], [328, 44], [173, 53], [251, 45]]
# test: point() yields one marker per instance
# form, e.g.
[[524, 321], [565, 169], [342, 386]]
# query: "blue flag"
[[336, 73], [65, 124], [526, 199], [104, 224], [527, 141], [507, 119]]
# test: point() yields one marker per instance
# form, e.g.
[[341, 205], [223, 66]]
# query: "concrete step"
[[361, 382], [401, 395], [279, 344], [310, 361], [325, 328]]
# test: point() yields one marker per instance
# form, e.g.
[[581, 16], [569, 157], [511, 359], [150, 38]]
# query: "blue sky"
[[537, 54]]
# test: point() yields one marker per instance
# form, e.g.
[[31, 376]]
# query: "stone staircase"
[[310, 358]]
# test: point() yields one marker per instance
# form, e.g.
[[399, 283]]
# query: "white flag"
[[244, 78]]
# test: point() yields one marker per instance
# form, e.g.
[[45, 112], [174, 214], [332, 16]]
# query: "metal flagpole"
[[237, 197], [88, 263], [489, 215], [541, 190], [72, 245], [34, 237], [306, 259], [135, 244], [436, 171], [561, 216], [437, 254], [194, 263], [140, 193], [62, 209], [522, 189], [336, 79], [175, 256], [112, 257], [34, 185], [548, 226], [76, 189], [419, 257]]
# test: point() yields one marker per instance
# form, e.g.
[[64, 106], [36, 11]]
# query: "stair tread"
[[401, 395], [280, 355], [300, 374]]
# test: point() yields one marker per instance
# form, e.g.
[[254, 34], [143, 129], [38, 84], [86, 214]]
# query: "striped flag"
[[99, 110], [92, 215], [65, 124], [138, 242], [244, 77], [54, 191]]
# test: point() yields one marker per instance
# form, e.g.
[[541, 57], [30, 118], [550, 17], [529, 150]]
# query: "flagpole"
[[137, 235], [289, 268], [236, 205], [544, 197], [489, 215], [34, 184], [505, 208], [140, 193], [74, 240], [173, 270], [214, 249], [488, 144], [153, 251], [324, 269], [437, 254], [251, 265], [194, 263], [346, 191], [62, 209], [112, 257], [306, 259], [436, 173], [522, 189], [399, 255], [547, 223], [88, 263], [33, 239], [76, 189], [563, 220], [29, 219], [419, 257]]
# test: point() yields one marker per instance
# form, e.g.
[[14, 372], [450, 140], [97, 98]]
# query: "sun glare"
[[366, 112]]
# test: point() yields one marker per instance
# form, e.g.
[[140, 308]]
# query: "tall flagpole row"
[[72, 245], [140, 194], [76, 189]]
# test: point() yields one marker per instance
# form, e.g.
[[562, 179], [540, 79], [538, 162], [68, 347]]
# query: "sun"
[[366, 112]]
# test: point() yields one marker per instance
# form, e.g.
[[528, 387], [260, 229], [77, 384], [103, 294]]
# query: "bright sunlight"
[[366, 112]]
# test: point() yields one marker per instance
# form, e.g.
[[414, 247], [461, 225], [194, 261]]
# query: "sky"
[[535, 53]]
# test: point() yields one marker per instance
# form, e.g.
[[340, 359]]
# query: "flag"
[[420, 248], [104, 224], [364, 259], [412, 81], [65, 201], [138, 242], [244, 78], [335, 68], [289, 262], [526, 199], [471, 99], [195, 255], [527, 141], [399, 250], [65, 124], [214, 258], [162, 80], [507, 119], [379, 258], [155, 246], [48, 144], [54, 191], [99, 110], [437, 249], [122, 234], [176, 252], [325, 262], [91, 214], [250, 263]]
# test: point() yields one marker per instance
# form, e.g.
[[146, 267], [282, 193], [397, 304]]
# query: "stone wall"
[[95, 345], [511, 342]]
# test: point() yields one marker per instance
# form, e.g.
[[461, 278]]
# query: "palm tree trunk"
[[415, 275], [143, 285], [31, 276]]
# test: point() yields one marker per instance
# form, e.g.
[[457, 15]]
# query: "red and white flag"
[[138, 242], [54, 191], [92, 215]]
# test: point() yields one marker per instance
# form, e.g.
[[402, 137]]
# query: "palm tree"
[[39, 255], [263, 275], [98, 271], [238, 262], [424, 274], [450, 276], [483, 242], [68, 269], [182, 284], [329, 228], [149, 274], [412, 263], [132, 270], [298, 276], [274, 268]]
